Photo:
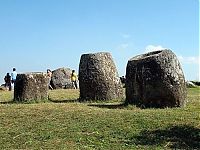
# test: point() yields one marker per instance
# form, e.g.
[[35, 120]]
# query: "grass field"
[[64, 123]]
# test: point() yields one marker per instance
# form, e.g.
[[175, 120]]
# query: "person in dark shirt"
[[7, 80]]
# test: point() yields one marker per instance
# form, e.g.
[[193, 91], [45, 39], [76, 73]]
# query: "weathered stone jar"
[[61, 78], [155, 79], [98, 77], [31, 87]]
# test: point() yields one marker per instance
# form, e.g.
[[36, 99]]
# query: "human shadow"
[[109, 106], [176, 137]]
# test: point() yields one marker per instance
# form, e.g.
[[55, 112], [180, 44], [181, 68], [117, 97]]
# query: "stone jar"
[[155, 79], [98, 77], [31, 87], [61, 78]]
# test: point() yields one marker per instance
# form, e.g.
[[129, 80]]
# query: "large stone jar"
[[31, 87], [98, 77], [155, 79]]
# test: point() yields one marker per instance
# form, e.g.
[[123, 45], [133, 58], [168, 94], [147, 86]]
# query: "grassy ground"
[[64, 123]]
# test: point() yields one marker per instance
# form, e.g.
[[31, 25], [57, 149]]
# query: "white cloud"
[[123, 46], [189, 59], [126, 36], [150, 48]]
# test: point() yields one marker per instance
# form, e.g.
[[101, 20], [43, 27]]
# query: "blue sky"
[[40, 34]]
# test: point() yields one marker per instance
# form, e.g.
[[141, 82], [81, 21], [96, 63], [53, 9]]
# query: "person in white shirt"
[[13, 76]]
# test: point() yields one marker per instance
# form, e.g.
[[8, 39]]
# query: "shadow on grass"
[[64, 101], [177, 137], [109, 106], [25, 102], [8, 102], [40, 101]]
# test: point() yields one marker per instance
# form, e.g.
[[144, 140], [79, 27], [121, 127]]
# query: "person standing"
[[13, 76], [7, 80], [74, 79], [49, 74]]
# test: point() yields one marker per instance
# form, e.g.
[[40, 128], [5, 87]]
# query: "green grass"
[[64, 123]]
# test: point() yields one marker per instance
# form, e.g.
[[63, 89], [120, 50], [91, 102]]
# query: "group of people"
[[10, 80], [74, 79]]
